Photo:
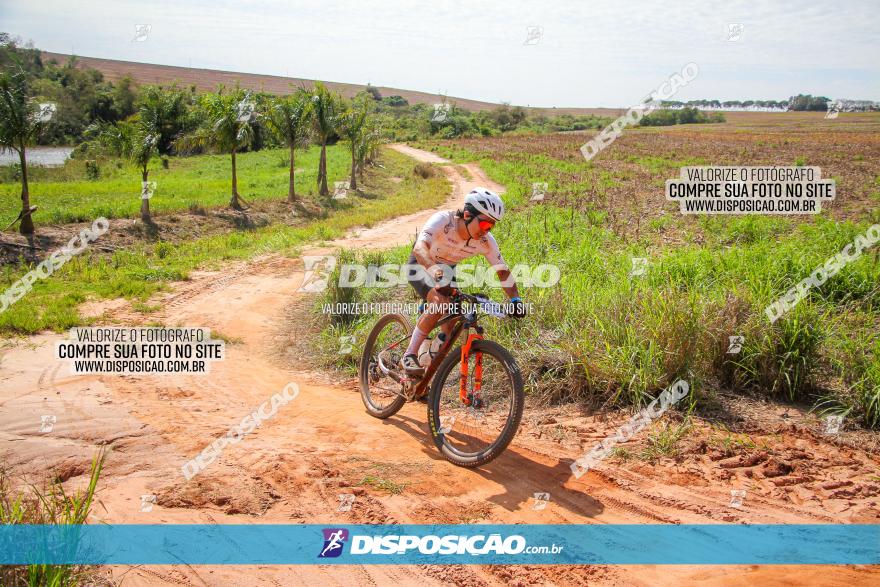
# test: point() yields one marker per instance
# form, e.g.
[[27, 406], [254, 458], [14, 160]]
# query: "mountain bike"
[[475, 393]]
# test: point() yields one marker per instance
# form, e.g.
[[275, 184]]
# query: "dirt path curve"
[[294, 467]]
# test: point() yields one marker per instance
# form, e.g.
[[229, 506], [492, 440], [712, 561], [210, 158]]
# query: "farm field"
[[627, 179]]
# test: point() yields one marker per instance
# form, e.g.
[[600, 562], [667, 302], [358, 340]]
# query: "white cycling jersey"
[[447, 247]]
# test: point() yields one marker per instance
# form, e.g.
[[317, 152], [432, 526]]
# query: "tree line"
[[799, 103], [85, 99], [140, 123], [686, 115], [81, 95], [170, 120]]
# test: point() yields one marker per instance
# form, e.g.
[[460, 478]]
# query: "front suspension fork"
[[474, 398]]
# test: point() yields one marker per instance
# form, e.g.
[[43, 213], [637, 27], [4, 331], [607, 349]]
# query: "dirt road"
[[293, 468]]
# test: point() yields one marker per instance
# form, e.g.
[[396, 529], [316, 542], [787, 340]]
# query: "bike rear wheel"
[[381, 393], [473, 435]]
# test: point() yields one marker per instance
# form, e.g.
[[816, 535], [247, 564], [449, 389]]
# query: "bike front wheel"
[[381, 391], [474, 430]]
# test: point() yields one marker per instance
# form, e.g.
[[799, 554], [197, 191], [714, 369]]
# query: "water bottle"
[[425, 353], [438, 342], [429, 349]]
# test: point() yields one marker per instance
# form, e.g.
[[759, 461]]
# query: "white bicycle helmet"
[[486, 202]]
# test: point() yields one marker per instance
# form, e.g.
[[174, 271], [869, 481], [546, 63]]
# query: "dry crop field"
[[627, 178]]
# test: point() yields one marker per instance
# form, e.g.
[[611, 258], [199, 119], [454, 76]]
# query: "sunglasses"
[[486, 225]]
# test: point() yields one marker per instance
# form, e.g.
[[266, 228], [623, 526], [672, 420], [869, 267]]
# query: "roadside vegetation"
[[607, 337], [51, 505]]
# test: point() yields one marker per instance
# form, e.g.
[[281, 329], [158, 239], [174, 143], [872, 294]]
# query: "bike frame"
[[462, 322]]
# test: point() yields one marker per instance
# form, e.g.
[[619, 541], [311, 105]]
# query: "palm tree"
[[21, 122], [371, 138], [326, 109], [159, 113], [141, 144], [288, 118], [352, 124], [227, 129], [165, 109]]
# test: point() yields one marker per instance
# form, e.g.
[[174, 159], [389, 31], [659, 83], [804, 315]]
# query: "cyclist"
[[447, 238]]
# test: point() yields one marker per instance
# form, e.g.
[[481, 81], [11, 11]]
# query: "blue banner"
[[711, 544]]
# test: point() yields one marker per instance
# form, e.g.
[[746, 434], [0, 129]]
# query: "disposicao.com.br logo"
[[334, 540], [451, 544]]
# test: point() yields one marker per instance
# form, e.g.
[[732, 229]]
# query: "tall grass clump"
[[340, 294], [356, 325], [855, 358], [49, 506], [781, 360]]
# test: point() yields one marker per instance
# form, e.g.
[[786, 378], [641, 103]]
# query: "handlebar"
[[482, 302]]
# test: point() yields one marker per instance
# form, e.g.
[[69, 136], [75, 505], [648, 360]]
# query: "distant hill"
[[209, 79]]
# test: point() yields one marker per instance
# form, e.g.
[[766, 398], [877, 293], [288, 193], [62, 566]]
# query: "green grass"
[[603, 336], [47, 506], [854, 354], [64, 194], [622, 453], [384, 484], [729, 442], [663, 441], [137, 273]]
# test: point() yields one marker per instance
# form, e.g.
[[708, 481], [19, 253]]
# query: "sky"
[[595, 53]]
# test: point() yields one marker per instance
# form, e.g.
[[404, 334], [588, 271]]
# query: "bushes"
[[403, 122], [93, 172], [683, 116], [338, 294], [424, 170], [563, 122]]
